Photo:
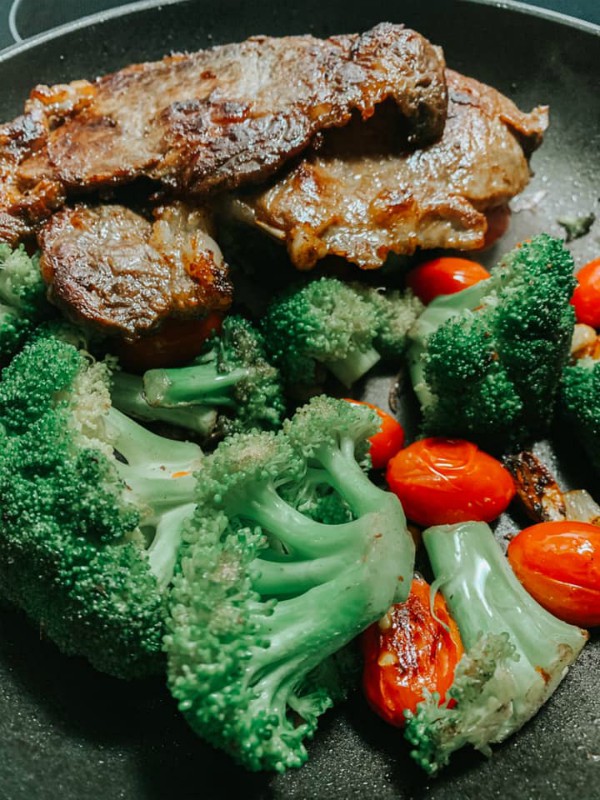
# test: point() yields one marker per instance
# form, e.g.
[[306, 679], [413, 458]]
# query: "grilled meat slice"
[[221, 117], [362, 194], [108, 267]]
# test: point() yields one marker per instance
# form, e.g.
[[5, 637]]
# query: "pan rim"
[[140, 7]]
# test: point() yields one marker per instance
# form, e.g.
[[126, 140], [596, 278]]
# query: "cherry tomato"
[[586, 297], [442, 481], [176, 342], [498, 220], [445, 275], [408, 651], [387, 441], [559, 565]]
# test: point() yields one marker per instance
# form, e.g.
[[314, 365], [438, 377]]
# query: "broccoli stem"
[[199, 384], [162, 552], [348, 478], [127, 393], [141, 447], [280, 578], [358, 362]]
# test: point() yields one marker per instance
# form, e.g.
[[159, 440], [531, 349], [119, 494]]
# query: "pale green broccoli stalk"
[[23, 303], [229, 388], [516, 652], [267, 595], [485, 362], [330, 325], [580, 401], [92, 509]]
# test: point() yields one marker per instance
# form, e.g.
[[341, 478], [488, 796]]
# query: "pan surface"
[[68, 732]]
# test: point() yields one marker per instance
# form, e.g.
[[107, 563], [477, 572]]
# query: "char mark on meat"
[[214, 119], [112, 269], [362, 194]]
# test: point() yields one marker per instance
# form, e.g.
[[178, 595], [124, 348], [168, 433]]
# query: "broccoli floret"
[[580, 401], [266, 595], [23, 303], [486, 362], [328, 324], [516, 652], [92, 508], [229, 388]]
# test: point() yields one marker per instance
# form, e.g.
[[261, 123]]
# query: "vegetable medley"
[[243, 524]]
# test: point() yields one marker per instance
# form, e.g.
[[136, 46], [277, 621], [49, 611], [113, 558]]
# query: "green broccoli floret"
[[266, 595], [516, 652], [486, 362], [23, 303], [92, 509], [331, 325], [229, 388], [580, 401]]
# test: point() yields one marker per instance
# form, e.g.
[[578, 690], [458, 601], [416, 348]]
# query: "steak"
[[363, 194], [214, 119], [111, 268]]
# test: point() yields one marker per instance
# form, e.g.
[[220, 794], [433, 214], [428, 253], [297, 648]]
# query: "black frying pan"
[[68, 732]]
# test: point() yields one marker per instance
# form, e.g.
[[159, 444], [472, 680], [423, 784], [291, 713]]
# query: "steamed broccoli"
[[266, 595], [92, 507], [517, 652], [339, 326], [486, 361], [23, 302], [229, 388], [580, 400]]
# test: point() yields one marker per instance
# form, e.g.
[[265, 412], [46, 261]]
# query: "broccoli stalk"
[[229, 388], [267, 595], [339, 327], [485, 362], [23, 303], [580, 401], [516, 652], [93, 507]]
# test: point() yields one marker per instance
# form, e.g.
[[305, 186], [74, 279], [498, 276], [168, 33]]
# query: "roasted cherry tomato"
[[586, 297], [176, 342], [559, 565], [498, 220], [407, 651], [388, 440], [442, 481], [445, 275]]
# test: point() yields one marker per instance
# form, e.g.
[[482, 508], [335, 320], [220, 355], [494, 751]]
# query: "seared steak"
[[362, 194], [109, 267], [220, 117]]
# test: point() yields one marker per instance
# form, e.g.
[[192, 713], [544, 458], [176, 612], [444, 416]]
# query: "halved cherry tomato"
[[387, 441], [445, 275], [176, 342], [559, 565], [586, 297], [407, 651], [442, 481]]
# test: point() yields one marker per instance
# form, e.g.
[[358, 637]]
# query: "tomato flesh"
[[586, 297], [387, 441], [408, 651], [559, 565], [443, 481], [445, 275]]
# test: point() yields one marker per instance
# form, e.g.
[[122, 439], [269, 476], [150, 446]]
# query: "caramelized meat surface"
[[216, 118], [110, 267], [363, 194]]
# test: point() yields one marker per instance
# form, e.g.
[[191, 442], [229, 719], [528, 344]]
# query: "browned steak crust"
[[362, 195], [109, 267], [220, 117]]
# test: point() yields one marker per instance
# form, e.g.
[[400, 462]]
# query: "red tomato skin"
[[387, 441], [559, 565], [407, 652], [445, 275], [586, 297], [498, 220], [443, 481]]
